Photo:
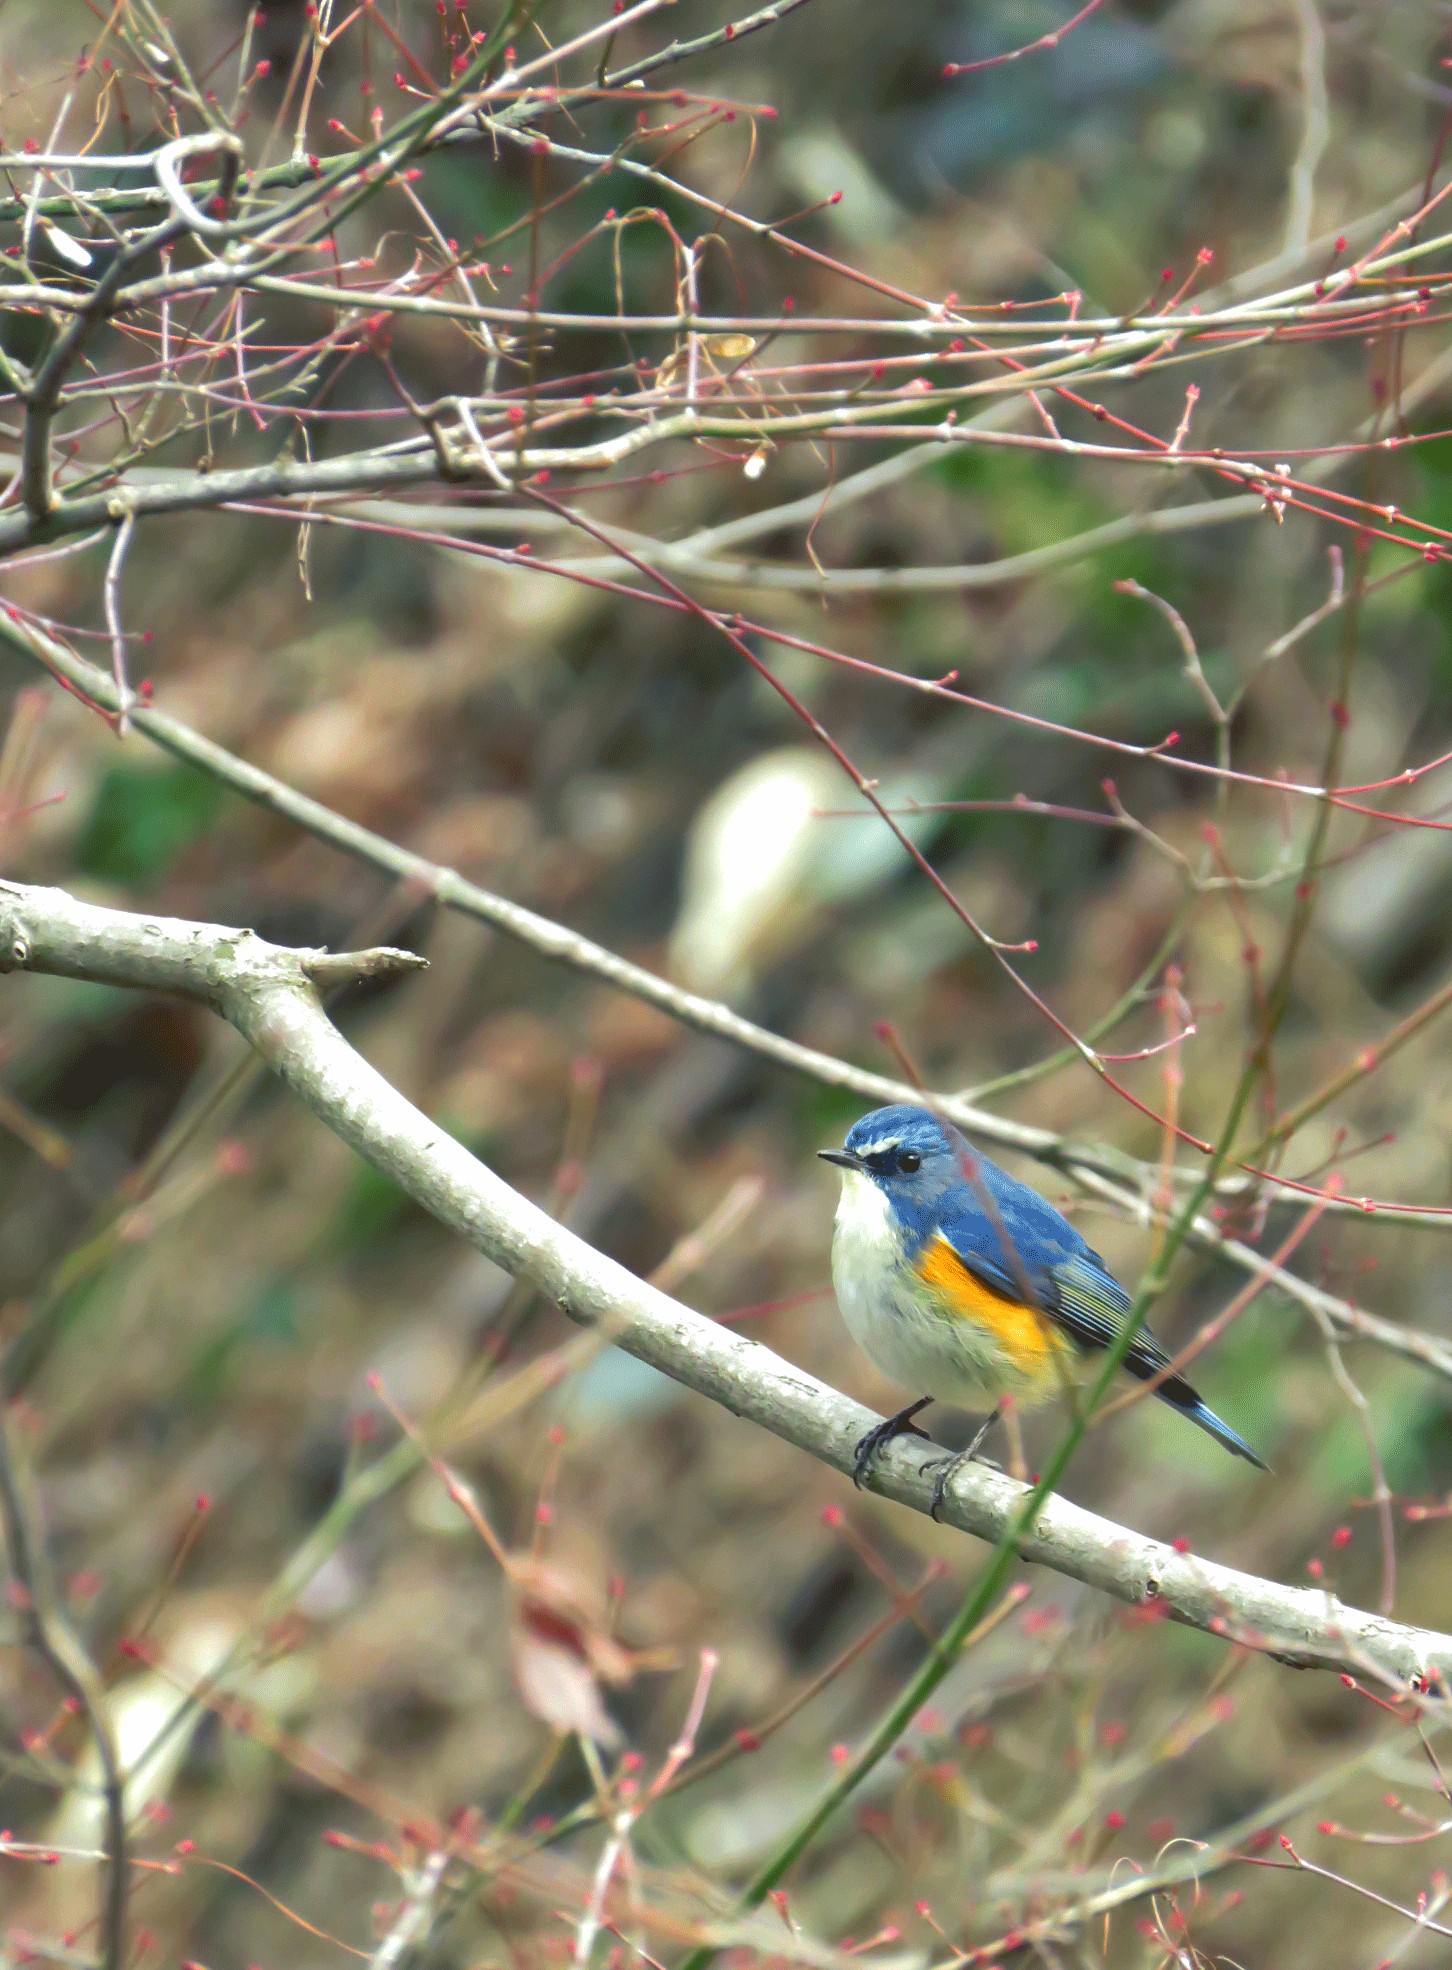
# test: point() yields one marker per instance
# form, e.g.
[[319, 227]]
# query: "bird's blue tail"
[[1201, 1413]]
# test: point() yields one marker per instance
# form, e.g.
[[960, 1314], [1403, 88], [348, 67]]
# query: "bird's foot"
[[872, 1440], [945, 1472]]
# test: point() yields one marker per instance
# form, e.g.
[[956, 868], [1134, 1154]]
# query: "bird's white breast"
[[897, 1320]]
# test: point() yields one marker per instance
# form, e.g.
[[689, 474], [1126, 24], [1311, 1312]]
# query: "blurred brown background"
[[583, 753]]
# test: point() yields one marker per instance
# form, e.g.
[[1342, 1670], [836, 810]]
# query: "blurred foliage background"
[[198, 1280]]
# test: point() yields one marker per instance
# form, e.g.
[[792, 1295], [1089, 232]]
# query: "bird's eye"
[[909, 1161]]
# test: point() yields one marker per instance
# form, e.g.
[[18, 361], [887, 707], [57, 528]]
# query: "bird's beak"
[[845, 1158]]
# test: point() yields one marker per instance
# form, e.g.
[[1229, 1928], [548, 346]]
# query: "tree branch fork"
[[270, 994]]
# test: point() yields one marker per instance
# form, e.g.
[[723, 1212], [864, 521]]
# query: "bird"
[[956, 1278]]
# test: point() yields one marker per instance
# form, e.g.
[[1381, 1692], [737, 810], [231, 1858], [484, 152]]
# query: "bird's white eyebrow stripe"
[[878, 1148]]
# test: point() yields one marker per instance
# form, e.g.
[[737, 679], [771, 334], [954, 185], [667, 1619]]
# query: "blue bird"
[[956, 1278]]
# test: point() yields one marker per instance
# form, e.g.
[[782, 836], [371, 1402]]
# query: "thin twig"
[[410, 1924], [1315, 127], [111, 596], [49, 1634]]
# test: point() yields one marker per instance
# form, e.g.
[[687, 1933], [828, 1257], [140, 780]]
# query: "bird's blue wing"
[[1070, 1281], [1025, 1249], [988, 1248], [1090, 1302], [1018, 1244]]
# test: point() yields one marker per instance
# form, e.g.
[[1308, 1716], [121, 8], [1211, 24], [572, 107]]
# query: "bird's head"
[[907, 1153]]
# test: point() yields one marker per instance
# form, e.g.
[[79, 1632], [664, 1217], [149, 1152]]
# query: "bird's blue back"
[[991, 1210]]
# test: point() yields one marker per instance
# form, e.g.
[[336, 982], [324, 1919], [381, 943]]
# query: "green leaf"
[[142, 819], [372, 1207]]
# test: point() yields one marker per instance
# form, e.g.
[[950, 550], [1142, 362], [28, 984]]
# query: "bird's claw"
[[871, 1441], [942, 1477], [945, 1474], [947, 1470]]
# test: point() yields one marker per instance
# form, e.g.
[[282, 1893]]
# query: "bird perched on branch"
[[956, 1278]]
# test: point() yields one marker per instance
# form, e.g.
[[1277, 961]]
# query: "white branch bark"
[[268, 994]]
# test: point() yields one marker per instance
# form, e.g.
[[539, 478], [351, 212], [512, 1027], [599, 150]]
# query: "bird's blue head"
[[909, 1155]]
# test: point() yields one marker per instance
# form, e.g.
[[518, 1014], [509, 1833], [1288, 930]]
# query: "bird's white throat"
[[864, 1216], [867, 1248]]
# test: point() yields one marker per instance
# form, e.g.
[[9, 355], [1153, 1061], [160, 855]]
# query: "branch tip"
[[329, 968]]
